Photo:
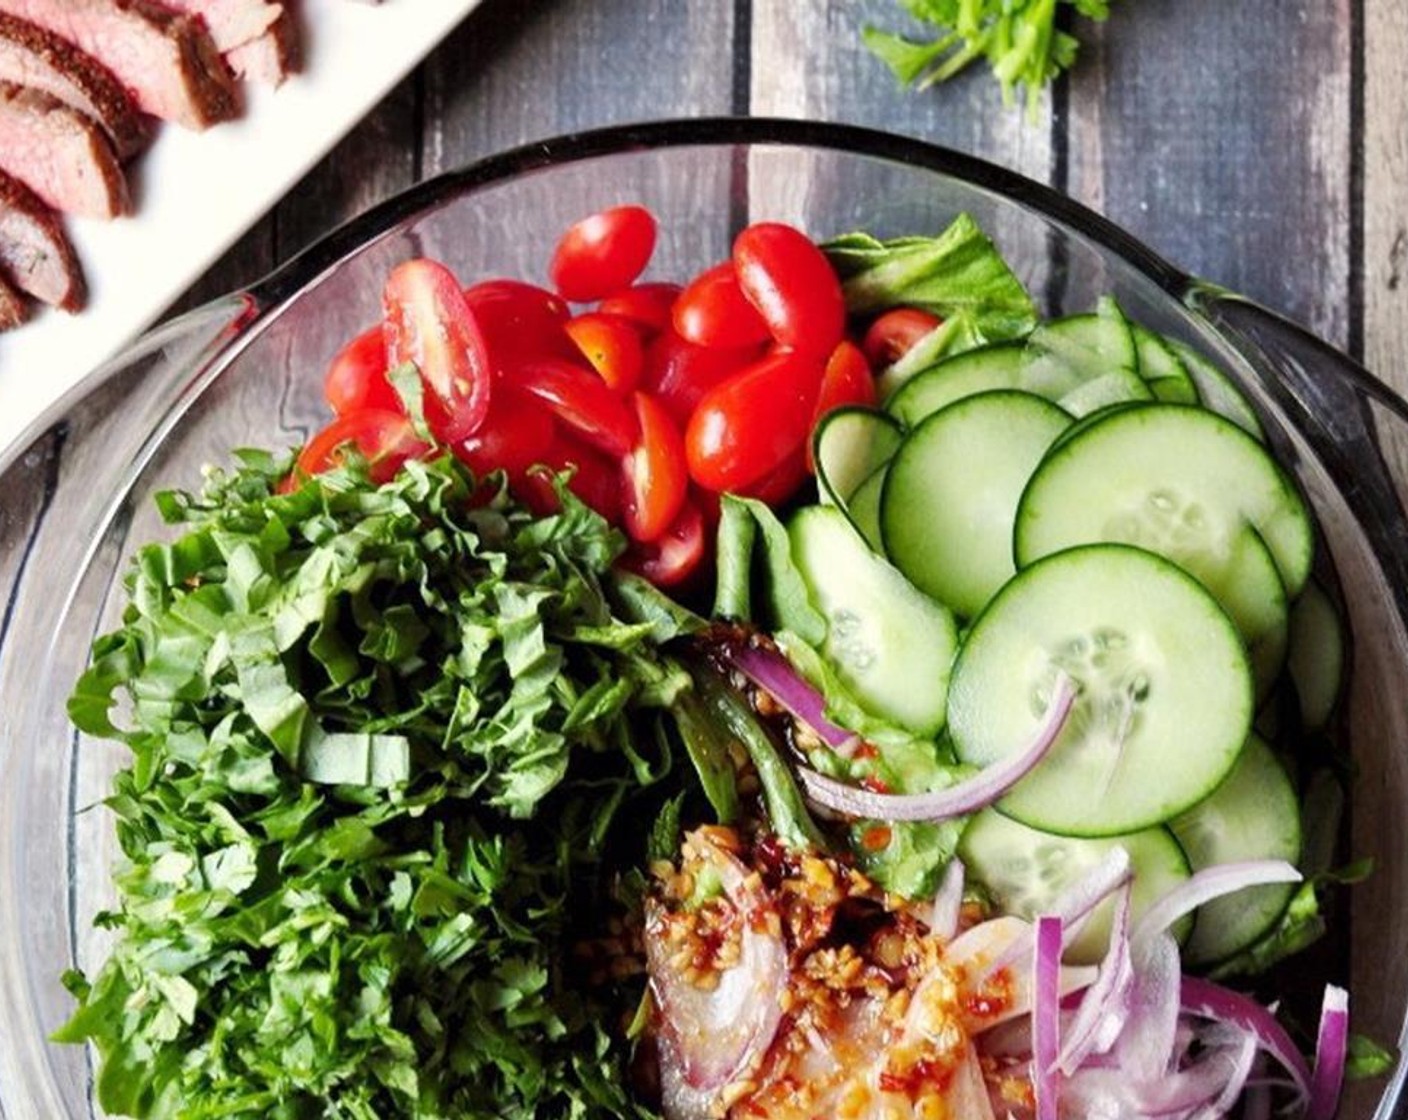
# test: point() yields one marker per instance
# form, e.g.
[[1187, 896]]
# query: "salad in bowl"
[[821, 676]]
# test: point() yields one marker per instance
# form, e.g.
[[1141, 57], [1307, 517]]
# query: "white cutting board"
[[196, 193]]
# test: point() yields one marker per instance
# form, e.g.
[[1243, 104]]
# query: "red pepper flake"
[[927, 1073], [876, 838], [866, 750], [874, 784], [993, 998]]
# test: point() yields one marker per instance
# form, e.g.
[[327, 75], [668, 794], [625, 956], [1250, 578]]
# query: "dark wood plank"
[[244, 263], [1219, 134]]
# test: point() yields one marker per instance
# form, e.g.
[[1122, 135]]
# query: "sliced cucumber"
[[1026, 870], [1253, 814], [1165, 692], [1316, 656], [848, 446], [1162, 369], [1216, 390], [952, 489], [864, 509], [963, 375], [891, 644], [1063, 354], [1179, 476], [1116, 387]]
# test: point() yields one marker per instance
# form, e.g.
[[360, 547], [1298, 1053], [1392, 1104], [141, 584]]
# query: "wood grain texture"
[[1385, 200], [1219, 134]]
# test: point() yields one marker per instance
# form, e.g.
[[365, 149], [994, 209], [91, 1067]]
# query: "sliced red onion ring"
[[709, 1037], [948, 903], [1203, 887], [959, 800], [1207, 1088], [1105, 1005], [1331, 1046], [1046, 1015], [774, 674], [1212, 1001], [1147, 1042]]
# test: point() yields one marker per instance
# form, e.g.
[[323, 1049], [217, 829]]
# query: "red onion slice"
[[709, 1037], [775, 675], [1212, 1001], [948, 903], [959, 800], [1105, 1005], [1203, 887], [1147, 1043], [1046, 1015], [1331, 1046]]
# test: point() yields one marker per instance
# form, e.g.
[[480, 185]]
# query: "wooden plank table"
[[1262, 145]]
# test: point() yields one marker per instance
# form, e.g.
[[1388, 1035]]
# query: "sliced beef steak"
[[13, 308], [31, 56], [166, 60], [232, 23], [35, 255], [60, 154], [272, 57]]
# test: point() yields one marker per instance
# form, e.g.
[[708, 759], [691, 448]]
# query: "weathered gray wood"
[[1385, 201], [246, 262], [1219, 134]]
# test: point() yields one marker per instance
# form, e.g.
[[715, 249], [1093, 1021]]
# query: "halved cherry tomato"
[[385, 439], [713, 311], [611, 345], [428, 322], [891, 336], [680, 373], [748, 426], [356, 377], [847, 381], [581, 400], [594, 479], [603, 253], [793, 286], [520, 323], [649, 306], [518, 432], [656, 476], [782, 482], [674, 557]]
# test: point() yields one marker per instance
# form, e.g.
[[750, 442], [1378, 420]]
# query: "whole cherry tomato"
[[680, 373], [518, 432], [656, 477], [782, 482], [671, 559], [582, 401], [746, 427], [713, 311], [793, 286], [613, 347], [428, 322], [356, 377], [894, 333], [385, 439], [649, 306], [603, 253], [846, 381], [520, 323]]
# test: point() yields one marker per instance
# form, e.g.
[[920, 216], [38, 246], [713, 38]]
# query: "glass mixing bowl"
[[75, 497]]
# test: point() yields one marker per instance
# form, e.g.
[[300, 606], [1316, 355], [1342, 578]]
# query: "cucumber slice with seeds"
[[1216, 390], [1165, 691], [1063, 354], [864, 509], [1316, 656], [848, 446], [963, 375], [1162, 369]]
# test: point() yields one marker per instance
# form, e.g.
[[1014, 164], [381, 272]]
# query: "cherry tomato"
[[891, 336], [713, 311], [595, 480], [749, 425], [356, 378], [782, 482], [385, 439], [603, 253], [674, 557], [847, 381], [680, 373], [612, 346], [581, 400], [657, 478], [520, 323], [649, 306], [428, 322], [518, 432], [793, 286]]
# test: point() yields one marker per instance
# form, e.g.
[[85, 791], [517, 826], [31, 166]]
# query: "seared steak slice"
[[13, 308], [35, 255], [61, 155], [31, 56], [272, 57], [232, 23], [166, 60]]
